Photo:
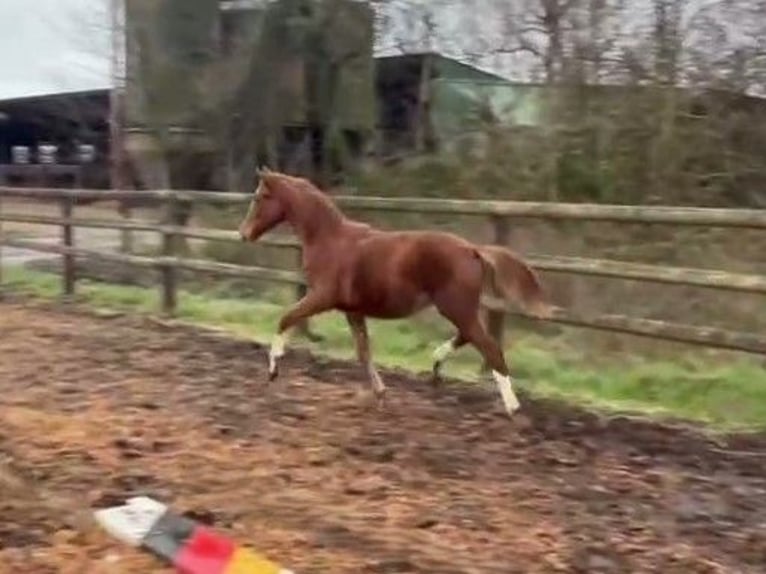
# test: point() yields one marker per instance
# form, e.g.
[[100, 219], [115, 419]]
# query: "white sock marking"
[[444, 350], [506, 392], [276, 351], [377, 383]]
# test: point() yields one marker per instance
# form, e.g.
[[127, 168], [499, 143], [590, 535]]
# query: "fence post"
[[168, 270], [496, 319], [67, 239], [126, 235]]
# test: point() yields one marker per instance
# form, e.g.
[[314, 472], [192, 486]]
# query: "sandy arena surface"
[[95, 409]]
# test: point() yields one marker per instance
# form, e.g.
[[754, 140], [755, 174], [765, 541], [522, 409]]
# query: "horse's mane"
[[305, 186]]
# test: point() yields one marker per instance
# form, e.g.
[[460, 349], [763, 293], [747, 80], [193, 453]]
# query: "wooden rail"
[[705, 336], [576, 265], [500, 212], [646, 214]]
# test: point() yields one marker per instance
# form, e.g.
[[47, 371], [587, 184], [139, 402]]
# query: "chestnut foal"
[[367, 272]]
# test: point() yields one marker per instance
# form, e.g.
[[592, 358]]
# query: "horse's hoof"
[[436, 375], [510, 410], [273, 374], [380, 400], [370, 400]]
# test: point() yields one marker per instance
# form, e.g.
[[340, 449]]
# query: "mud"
[[96, 408]]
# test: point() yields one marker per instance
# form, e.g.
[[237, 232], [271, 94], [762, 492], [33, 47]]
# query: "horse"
[[368, 272]]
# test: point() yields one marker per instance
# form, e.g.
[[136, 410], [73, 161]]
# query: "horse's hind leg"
[[362, 340], [493, 355], [460, 305], [441, 354]]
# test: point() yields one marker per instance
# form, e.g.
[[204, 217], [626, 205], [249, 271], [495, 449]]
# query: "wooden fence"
[[169, 262]]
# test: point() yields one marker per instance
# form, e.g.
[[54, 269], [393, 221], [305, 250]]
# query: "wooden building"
[[55, 140]]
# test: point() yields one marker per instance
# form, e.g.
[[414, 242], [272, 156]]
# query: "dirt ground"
[[95, 409]]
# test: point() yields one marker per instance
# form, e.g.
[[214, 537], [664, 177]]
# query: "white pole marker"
[[131, 522]]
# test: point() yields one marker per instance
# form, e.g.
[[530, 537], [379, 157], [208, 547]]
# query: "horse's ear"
[[265, 175], [263, 170]]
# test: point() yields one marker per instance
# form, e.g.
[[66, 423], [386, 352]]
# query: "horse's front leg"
[[362, 340], [313, 303]]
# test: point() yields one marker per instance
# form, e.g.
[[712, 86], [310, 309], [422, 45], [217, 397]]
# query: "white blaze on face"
[[506, 392]]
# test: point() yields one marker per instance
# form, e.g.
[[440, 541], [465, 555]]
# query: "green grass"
[[726, 395]]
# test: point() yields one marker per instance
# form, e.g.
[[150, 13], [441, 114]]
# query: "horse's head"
[[280, 197], [267, 208]]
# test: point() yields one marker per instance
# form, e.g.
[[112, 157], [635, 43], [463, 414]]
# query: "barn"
[[59, 139]]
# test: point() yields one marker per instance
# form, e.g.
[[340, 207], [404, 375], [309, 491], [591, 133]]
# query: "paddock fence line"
[[500, 213]]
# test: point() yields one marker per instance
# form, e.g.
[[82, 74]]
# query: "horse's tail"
[[512, 279]]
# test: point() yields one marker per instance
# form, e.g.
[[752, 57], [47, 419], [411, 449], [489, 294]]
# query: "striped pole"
[[189, 546]]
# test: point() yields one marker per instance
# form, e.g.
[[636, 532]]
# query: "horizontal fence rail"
[[664, 330], [710, 278], [641, 272], [168, 263], [693, 216]]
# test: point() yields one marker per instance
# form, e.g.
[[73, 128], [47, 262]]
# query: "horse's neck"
[[317, 223]]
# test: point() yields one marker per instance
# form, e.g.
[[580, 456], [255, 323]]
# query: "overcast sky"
[[49, 46], [52, 46]]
